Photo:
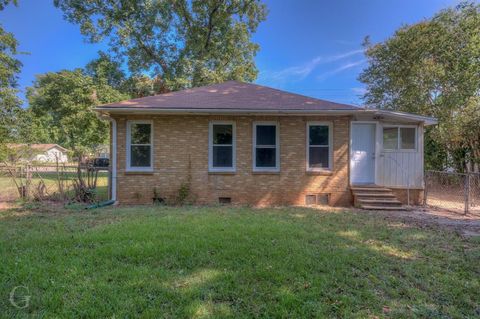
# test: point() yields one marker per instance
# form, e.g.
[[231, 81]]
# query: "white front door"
[[362, 156]]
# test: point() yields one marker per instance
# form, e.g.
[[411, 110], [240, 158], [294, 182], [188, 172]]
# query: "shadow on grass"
[[235, 262]]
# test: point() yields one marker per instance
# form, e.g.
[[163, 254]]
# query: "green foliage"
[[107, 70], [183, 194], [10, 66], [104, 70], [185, 43], [432, 68], [435, 154], [143, 85], [62, 105], [4, 3]]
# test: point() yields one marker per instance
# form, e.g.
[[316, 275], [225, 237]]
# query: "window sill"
[[266, 172], [320, 173], [138, 172], [222, 172], [400, 151]]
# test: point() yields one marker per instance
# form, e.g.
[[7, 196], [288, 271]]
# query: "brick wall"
[[181, 154]]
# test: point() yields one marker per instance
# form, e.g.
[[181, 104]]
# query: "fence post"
[[28, 181], [425, 190], [467, 193]]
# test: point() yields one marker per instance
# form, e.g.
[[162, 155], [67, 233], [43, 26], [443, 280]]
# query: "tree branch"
[[148, 50], [183, 10], [210, 24]]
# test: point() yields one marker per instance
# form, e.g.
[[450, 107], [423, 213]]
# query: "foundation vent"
[[225, 200], [310, 199], [323, 199], [317, 199]]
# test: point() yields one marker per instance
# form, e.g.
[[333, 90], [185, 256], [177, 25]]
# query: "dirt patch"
[[8, 205], [466, 225], [454, 202]]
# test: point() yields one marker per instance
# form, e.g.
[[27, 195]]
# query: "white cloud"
[[300, 72], [359, 90], [341, 68]]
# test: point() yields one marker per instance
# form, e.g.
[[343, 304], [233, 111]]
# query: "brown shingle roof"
[[230, 95]]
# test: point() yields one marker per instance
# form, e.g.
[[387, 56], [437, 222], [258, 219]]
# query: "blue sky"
[[308, 47]]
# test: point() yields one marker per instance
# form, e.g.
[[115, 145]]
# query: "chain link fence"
[[455, 192], [8, 189], [48, 182]]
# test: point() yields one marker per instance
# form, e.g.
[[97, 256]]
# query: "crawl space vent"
[[316, 199], [310, 199], [225, 200], [322, 199]]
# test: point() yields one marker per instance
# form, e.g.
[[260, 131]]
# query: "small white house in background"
[[44, 153], [102, 151]]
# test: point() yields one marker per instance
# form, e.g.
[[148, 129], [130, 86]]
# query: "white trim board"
[[209, 111]]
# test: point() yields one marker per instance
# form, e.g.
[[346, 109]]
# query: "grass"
[[9, 189], [233, 262]]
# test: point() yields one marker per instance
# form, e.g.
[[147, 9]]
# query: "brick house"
[[249, 144]]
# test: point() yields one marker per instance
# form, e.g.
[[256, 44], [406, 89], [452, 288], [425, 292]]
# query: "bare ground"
[[466, 225]]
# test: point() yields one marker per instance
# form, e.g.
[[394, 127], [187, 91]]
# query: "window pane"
[[390, 138], [222, 156], [408, 138], [266, 135], [140, 133], [318, 157], [140, 156], [265, 157], [318, 134], [222, 134]]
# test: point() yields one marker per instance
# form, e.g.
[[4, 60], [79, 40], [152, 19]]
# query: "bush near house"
[[207, 262]]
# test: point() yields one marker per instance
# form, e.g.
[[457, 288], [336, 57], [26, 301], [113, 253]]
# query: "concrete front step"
[[381, 207], [388, 195], [384, 202], [375, 198], [370, 189]]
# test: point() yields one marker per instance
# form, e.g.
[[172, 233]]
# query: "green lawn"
[[233, 262]]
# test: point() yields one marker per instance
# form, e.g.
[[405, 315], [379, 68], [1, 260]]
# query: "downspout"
[[113, 164], [113, 156]]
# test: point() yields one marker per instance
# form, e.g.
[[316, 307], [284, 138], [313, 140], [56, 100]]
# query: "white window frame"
[[398, 149], [129, 148], [210, 147], [276, 146], [330, 147]]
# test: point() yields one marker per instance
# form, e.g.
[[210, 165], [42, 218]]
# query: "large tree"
[[107, 70], [433, 68], [185, 43], [61, 104], [10, 104]]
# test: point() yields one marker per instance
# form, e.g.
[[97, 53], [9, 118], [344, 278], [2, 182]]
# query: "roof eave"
[[426, 120], [174, 111], [59, 147], [118, 110]]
